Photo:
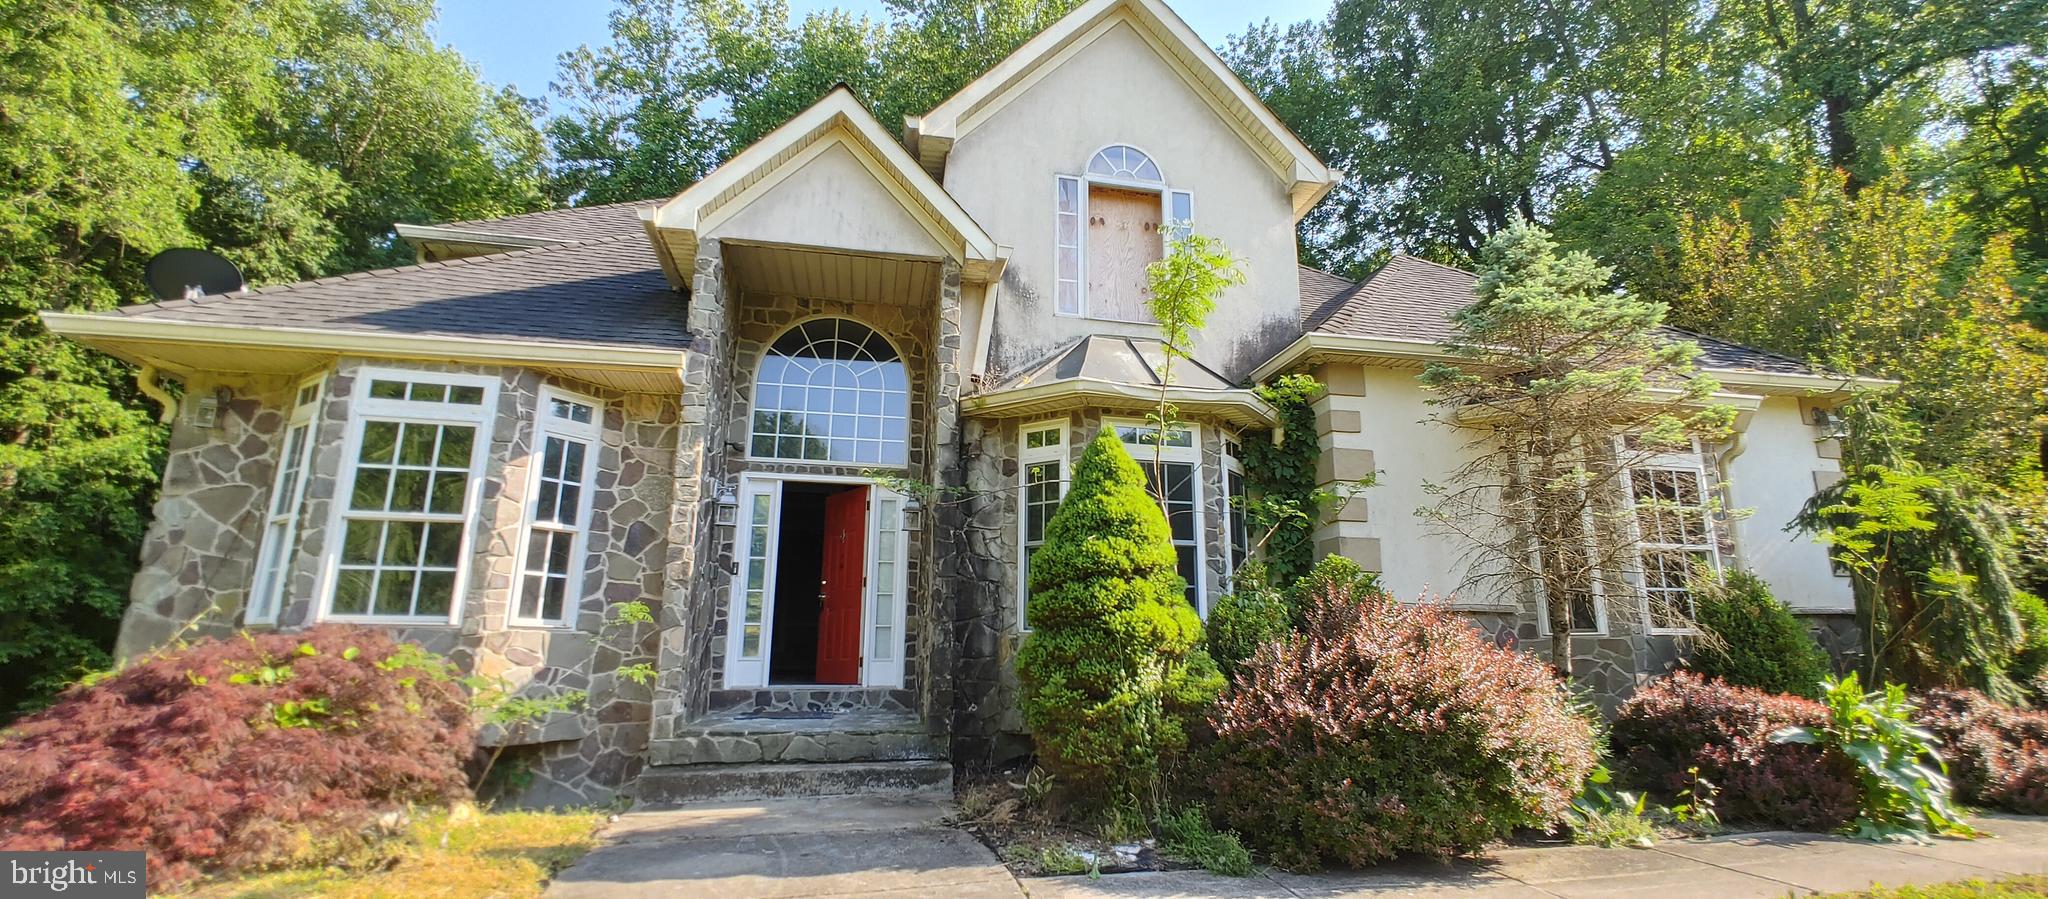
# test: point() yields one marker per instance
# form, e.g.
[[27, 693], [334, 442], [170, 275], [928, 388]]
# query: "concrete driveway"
[[850, 846]]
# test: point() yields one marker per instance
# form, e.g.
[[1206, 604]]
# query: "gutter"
[[113, 328]]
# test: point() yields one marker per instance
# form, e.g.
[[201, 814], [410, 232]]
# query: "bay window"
[[287, 494], [1674, 537], [409, 486], [1173, 470]]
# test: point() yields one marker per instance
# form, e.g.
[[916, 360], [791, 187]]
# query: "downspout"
[[145, 381]]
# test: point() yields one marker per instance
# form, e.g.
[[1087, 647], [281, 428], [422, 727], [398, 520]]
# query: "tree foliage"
[[288, 136], [684, 84], [1113, 671], [1562, 385]]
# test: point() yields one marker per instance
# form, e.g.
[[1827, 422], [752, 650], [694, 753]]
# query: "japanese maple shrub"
[[1380, 728], [1685, 721], [238, 753], [1113, 670]]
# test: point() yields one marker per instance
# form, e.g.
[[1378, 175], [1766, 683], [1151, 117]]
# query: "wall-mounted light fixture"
[[728, 513], [913, 514]]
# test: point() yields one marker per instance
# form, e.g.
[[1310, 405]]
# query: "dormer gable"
[[931, 136]]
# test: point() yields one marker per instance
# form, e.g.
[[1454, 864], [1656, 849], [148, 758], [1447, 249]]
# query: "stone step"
[[672, 784], [745, 738]]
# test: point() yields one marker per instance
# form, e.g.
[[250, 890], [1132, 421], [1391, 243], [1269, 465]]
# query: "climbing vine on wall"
[[1282, 476]]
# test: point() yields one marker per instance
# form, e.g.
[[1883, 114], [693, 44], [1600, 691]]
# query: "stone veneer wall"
[[988, 727], [203, 544], [200, 550]]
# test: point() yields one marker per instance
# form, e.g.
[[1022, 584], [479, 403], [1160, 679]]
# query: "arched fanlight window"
[[1121, 161], [832, 390]]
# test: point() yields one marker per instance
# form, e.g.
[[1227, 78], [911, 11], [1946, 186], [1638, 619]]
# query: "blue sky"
[[516, 41]]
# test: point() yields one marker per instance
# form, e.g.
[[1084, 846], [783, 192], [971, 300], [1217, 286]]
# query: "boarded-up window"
[[1123, 238]]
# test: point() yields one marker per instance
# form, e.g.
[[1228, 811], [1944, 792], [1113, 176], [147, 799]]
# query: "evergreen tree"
[[1113, 670], [1563, 385]]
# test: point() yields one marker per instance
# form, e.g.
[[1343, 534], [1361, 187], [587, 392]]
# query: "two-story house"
[[723, 405]]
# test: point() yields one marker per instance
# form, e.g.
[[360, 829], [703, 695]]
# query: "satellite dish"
[[183, 272]]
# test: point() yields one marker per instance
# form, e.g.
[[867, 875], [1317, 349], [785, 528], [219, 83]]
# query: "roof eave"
[[1240, 407], [122, 335], [1321, 346]]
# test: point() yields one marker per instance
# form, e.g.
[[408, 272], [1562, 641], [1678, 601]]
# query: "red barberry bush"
[[1380, 728], [239, 753], [1685, 720], [1997, 755]]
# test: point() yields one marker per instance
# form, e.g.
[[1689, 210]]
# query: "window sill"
[[388, 621]]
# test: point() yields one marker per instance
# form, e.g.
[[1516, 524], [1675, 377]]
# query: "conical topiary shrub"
[[1113, 670]]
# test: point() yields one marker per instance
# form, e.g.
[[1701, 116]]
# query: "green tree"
[[1562, 385], [286, 135], [1113, 670], [684, 84]]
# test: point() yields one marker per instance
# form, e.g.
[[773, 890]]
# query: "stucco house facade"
[[729, 405]]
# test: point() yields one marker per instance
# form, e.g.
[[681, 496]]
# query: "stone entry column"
[[684, 666]]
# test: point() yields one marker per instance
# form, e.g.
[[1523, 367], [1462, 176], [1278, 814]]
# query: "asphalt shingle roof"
[[607, 291], [575, 223], [1414, 299]]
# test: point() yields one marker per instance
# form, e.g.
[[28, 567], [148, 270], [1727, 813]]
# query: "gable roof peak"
[[930, 137]]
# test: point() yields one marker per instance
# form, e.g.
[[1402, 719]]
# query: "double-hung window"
[[280, 523], [412, 475], [1111, 221], [1173, 473], [1041, 484], [1674, 535], [565, 442]]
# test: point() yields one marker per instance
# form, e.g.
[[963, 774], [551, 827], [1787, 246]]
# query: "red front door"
[[844, 579]]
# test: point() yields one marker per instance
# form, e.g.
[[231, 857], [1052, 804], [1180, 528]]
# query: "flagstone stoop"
[[757, 754]]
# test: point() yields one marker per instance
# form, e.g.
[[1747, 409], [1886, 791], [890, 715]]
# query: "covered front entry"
[[819, 596]]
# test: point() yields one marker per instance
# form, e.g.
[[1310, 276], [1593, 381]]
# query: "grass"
[[1615, 828], [501, 854], [2033, 886]]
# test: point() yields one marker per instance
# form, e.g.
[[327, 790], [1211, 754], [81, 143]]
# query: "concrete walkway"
[[844, 847], [1775, 864], [787, 848]]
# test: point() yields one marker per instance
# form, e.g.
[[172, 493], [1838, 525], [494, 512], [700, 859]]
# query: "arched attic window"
[[1125, 162], [832, 390]]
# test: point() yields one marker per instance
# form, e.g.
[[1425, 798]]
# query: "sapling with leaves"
[[1181, 292], [1561, 385]]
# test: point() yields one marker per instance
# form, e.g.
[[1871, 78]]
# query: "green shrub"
[[1380, 728], [1756, 641], [1331, 576], [1252, 614], [2029, 664], [1113, 671]]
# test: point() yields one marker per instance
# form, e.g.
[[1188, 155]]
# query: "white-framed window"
[[1234, 498], [566, 435], [1111, 221], [411, 474], [1173, 471], [1587, 597], [832, 390], [287, 495], [1042, 456], [1674, 530]]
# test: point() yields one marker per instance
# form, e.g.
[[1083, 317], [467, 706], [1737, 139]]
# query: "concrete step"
[[671, 784]]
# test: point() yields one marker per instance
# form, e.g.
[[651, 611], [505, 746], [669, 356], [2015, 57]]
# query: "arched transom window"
[[1121, 161], [832, 390]]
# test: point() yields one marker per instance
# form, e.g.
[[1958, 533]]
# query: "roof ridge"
[[1397, 254], [457, 223], [388, 271]]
